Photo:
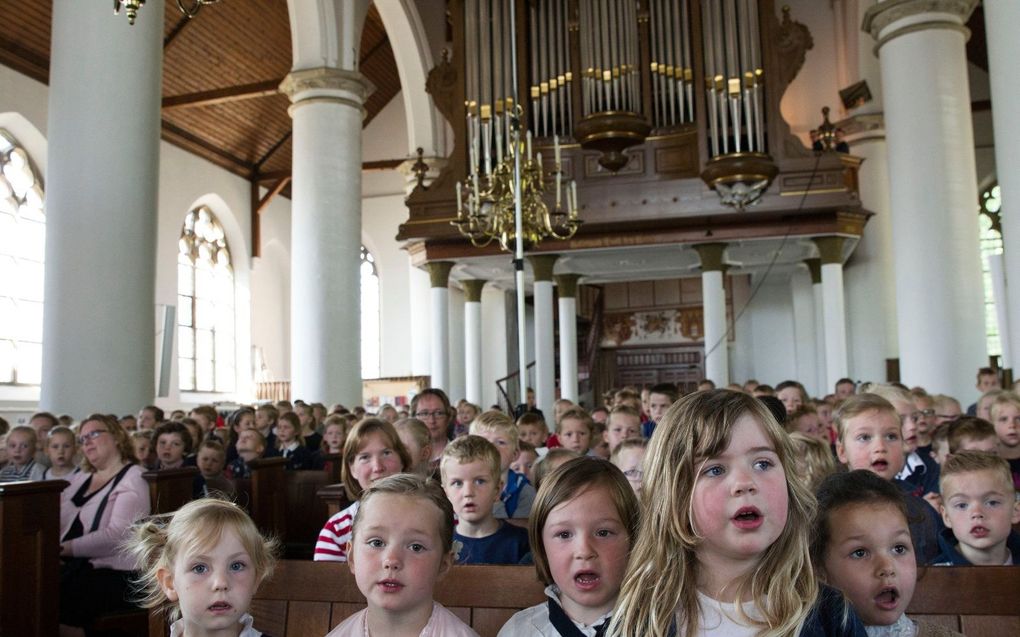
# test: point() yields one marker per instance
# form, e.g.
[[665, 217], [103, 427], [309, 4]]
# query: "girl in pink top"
[[402, 544]]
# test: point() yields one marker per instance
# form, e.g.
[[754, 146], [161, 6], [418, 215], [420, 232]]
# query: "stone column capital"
[[439, 273], [830, 249], [711, 255], [908, 16], [326, 84], [566, 285], [542, 266], [814, 266], [473, 290]]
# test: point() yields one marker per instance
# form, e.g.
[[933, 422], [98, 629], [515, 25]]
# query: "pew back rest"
[[170, 489], [308, 599]]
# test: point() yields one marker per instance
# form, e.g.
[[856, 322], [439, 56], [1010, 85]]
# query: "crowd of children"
[[749, 510]]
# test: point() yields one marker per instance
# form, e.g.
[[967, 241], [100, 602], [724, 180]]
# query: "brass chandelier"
[[491, 194], [505, 196]]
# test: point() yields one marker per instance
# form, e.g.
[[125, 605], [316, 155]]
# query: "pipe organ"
[[606, 73]]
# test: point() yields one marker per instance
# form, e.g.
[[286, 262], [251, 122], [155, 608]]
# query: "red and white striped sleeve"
[[334, 536]]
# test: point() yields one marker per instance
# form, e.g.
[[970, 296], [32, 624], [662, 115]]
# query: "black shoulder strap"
[[565, 627], [102, 504]]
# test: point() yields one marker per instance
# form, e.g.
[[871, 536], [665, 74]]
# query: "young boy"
[[173, 444], [805, 420], [969, 433], [517, 495], [924, 411], [470, 469], [919, 470], [21, 464], [251, 445], [869, 436], [660, 398], [532, 430], [205, 416], [629, 456], [987, 381], [265, 421], [1004, 413], [575, 431], [623, 423], [599, 443], [212, 459], [525, 461], [978, 508]]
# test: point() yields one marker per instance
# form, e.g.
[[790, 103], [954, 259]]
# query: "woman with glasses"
[[96, 510]]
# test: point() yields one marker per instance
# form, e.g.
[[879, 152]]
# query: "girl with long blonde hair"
[[722, 546]]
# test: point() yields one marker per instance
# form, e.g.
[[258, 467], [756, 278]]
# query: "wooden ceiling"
[[221, 71]]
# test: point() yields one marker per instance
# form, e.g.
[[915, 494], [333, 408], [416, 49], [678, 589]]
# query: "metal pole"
[[515, 135]]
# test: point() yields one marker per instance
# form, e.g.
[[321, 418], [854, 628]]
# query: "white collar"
[[291, 447], [913, 461], [903, 627], [246, 624]]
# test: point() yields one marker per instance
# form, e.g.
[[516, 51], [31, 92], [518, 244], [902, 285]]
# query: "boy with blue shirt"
[[470, 469], [517, 496], [978, 507]]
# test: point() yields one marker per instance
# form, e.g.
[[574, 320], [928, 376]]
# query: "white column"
[[545, 348], [473, 340], [101, 208], [326, 234], [833, 308], [871, 277], [815, 268], [421, 325], [1001, 19], [713, 294], [933, 190], [566, 289], [439, 275]]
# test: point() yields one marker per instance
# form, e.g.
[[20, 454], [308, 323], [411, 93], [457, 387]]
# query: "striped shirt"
[[334, 536]]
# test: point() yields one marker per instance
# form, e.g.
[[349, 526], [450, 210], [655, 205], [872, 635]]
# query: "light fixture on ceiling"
[[131, 8]]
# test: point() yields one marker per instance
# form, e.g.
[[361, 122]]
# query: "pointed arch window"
[[370, 342], [991, 244], [205, 306], [22, 246]]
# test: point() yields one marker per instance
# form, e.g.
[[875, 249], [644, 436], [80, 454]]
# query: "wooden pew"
[[30, 558], [308, 599], [264, 495], [305, 511], [170, 489], [335, 497]]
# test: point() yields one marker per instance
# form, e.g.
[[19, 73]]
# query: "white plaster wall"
[[803, 310], [742, 346], [380, 217], [494, 338], [386, 135], [772, 327]]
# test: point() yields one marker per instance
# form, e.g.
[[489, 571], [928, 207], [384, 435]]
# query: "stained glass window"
[[205, 306], [22, 246]]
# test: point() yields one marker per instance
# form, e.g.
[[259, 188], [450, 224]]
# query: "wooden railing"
[[273, 390]]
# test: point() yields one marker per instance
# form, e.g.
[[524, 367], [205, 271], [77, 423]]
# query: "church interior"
[[326, 203]]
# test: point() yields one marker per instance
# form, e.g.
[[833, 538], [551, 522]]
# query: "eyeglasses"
[[422, 415], [634, 474], [92, 435]]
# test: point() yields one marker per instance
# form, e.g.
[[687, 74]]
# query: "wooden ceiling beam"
[[272, 149], [277, 175], [23, 60], [223, 95], [190, 142], [176, 31]]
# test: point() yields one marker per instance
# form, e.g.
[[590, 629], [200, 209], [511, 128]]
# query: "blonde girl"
[[201, 565], [373, 451], [723, 541], [415, 436], [401, 545], [61, 448]]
